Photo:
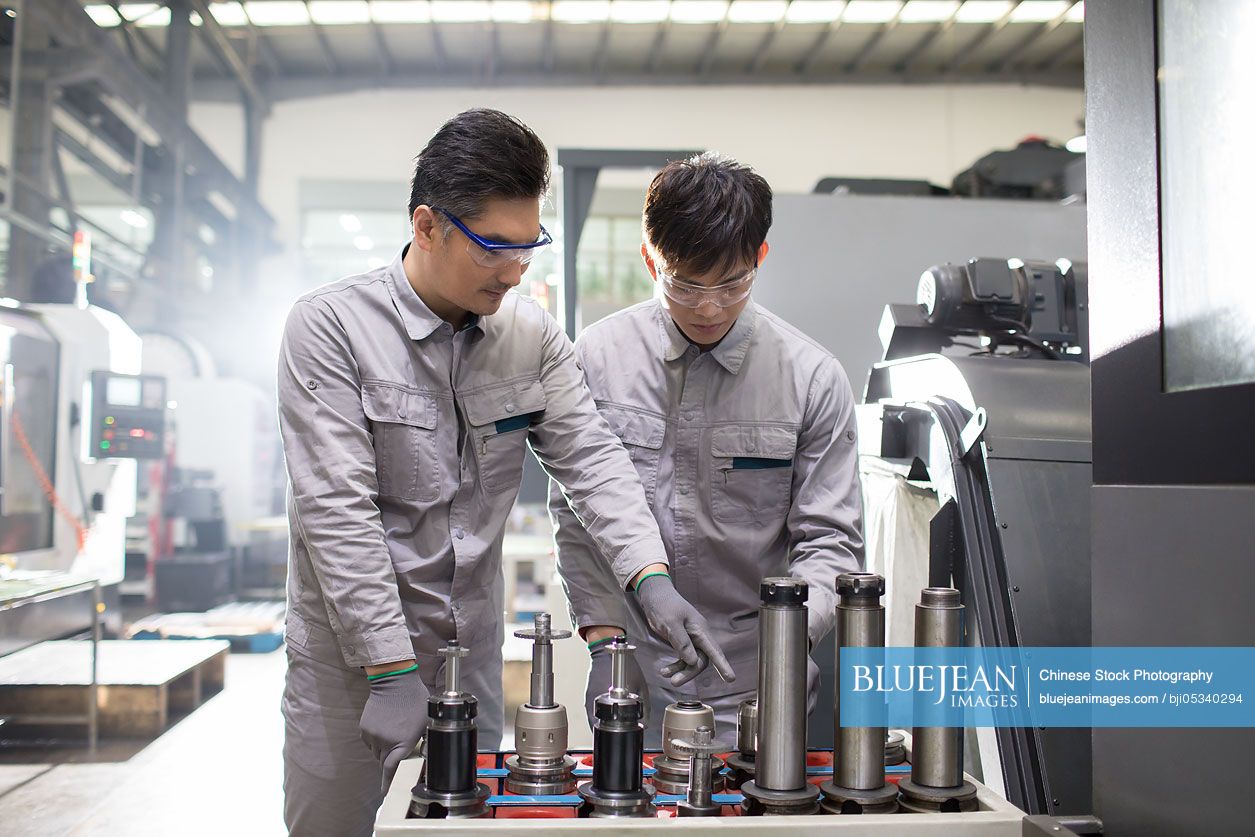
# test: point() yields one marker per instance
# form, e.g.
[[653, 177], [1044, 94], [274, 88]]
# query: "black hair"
[[476, 156], [707, 213]]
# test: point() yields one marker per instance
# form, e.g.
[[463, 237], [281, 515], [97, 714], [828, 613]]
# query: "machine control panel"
[[128, 416]]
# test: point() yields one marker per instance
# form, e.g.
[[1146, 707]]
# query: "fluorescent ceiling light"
[[516, 11], [363, 242], [871, 11], [350, 223], [1038, 11], [133, 218], [757, 11], [814, 11], [1076, 145], [104, 15], [278, 13], [928, 11], [461, 11], [982, 11], [698, 11], [228, 14], [580, 11], [400, 11], [1076, 14], [338, 12], [145, 14], [639, 11]]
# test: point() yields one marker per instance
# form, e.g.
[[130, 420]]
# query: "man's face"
[[710, 321], [460, 280]]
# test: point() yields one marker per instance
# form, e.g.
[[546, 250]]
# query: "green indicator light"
[[104, 446], [108, 419]]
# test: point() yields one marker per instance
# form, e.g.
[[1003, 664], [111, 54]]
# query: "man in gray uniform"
[[407, 396], [740, 427]]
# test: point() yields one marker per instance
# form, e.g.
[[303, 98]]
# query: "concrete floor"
[[217, 771]]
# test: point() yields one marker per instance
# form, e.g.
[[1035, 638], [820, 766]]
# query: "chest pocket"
[[642, 435], [403, 424], [499, 417], [751, 473]]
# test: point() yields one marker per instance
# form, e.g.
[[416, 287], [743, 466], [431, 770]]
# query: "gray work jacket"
[[748, 456], [405, 442]]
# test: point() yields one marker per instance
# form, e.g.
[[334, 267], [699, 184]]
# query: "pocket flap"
[[759, 443], [395, 404], [640, 429], [505, 403]]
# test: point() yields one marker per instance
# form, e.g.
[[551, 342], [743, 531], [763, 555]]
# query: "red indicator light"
[[137, 433]]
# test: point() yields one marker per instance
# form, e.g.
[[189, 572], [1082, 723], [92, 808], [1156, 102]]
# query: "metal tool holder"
[[618, 788], [779, 785], [448, 788], [742, 763], [936, 784], [680, 721], [541, 765], [858, 784], [700, 750]]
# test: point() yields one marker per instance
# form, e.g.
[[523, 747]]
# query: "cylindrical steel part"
[[699, 779], [542, 674], [453, 673], [747, 727], [680, 720], [937, 752], [860, 751], [781, 758], [617, 755], [451, 759]]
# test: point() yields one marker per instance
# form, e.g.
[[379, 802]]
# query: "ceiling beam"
[[320, 32], [764, 46], [1008, 58], [981, 37], [712, 46], [870, 45], [221, 46], [808, 58], [655, 48]]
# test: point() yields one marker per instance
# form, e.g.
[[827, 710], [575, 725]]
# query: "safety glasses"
[[487, 253], [688, 295]]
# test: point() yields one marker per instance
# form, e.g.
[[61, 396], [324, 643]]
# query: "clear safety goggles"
[[688, 295], [487, 253]]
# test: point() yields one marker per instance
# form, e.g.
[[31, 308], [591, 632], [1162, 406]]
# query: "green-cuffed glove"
[[683, 628], [394, 719]]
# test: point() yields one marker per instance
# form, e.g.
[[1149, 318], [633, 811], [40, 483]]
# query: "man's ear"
[[649, 263], [426, 230], [762, 253]]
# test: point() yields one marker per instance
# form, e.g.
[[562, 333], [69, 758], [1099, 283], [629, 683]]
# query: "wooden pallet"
[[142, 685]]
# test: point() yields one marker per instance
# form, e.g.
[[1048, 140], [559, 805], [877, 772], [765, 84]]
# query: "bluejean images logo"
[[962, 686], [1047, 687]]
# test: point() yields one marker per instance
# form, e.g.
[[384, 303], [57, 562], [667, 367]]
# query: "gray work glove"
[[683, 628], [599, 681], [394, 719]]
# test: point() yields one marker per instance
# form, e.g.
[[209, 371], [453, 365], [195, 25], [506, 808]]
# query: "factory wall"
[[792, 135]]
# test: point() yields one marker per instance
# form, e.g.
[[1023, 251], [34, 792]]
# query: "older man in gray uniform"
[[407, 397], [740, 427]]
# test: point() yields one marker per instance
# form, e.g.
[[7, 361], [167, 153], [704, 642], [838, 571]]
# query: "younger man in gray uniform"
[[740, 427], [407, 398]]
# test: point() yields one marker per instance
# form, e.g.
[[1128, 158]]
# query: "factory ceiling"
[[295, 48]]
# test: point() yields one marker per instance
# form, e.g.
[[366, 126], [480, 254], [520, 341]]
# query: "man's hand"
[[394, 719], [599, 675], [683, 628]]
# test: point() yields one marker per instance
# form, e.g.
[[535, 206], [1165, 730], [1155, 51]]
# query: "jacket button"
[[400, 413], [749, 446], [509, 408], [459, 534]]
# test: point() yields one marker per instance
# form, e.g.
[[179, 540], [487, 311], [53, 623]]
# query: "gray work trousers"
[[332, 785]]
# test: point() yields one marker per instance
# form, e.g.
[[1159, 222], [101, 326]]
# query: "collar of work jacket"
[[420, 321], [730, 353]]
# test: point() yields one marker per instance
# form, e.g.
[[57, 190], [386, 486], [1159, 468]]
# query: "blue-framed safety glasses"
[[486, 253]]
